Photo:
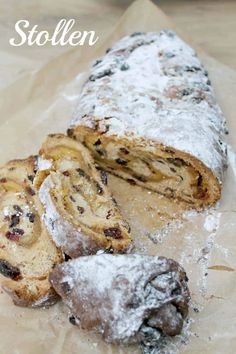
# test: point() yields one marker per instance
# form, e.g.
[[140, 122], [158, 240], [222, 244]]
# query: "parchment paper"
[[204, 243]]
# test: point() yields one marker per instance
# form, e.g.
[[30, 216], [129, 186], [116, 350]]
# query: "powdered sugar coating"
[[63, 233], [153, 86], [124, 296]]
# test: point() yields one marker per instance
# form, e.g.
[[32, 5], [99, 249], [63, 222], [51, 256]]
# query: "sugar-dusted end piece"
[[126, 298]]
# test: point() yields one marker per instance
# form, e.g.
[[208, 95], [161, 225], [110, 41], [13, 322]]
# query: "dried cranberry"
[[114, 232], [30, 191], [15, 234], [66, 173], [124, 150]]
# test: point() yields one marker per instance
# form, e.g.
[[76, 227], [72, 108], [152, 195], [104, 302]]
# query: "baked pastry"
[[80, 213], [148, 114], [27, 253], [126, 298]]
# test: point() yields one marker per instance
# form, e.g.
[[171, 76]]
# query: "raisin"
[[131, 181], [169, 55], [15, 234], [140, 178], [15, 219], [98, 142], [30, 216], [170, 192], [99, 188], [114, 232], [109, 251], [124, 67], [3, 180], [66, 287], [80, 209], [176, 161], [81, 172], [103, 177], [66, 173], [121, 161], [73, 320], [9, 270], [124, 150], [199, 180], [70, 132], [114, 201], [18, 209], [134, 34], [31, 178], [101, 152], [106, 72], [186, 92], [192, 69], [109, 214], [160, 161], [30, 191], [66, 257], [72, 198], [98, 61], [197, 99]]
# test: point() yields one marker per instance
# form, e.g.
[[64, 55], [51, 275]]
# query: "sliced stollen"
[[126, 298], [80, 213], [27, 252], [148, 114]]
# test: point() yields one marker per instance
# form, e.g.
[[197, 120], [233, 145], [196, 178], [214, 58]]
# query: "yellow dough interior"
[[162, 171]]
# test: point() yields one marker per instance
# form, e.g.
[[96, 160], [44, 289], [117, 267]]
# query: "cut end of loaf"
[[165, 170]]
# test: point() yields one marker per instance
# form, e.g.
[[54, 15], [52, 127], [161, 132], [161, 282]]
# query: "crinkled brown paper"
[[204, 244]]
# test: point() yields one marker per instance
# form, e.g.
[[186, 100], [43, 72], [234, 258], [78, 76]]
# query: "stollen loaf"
[[149, 115]]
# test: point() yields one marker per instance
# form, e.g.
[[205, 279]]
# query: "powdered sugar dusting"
[[153, 86], [119, 295], [63, 233]]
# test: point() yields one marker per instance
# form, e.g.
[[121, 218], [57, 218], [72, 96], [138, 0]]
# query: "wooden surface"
[[211, 24]]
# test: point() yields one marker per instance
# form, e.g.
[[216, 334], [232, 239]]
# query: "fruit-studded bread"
[[148, 114], [80, 213], [27, 253], [126, 298]]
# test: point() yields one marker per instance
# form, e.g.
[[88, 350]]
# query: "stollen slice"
[[80, 213], [27, 252]]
